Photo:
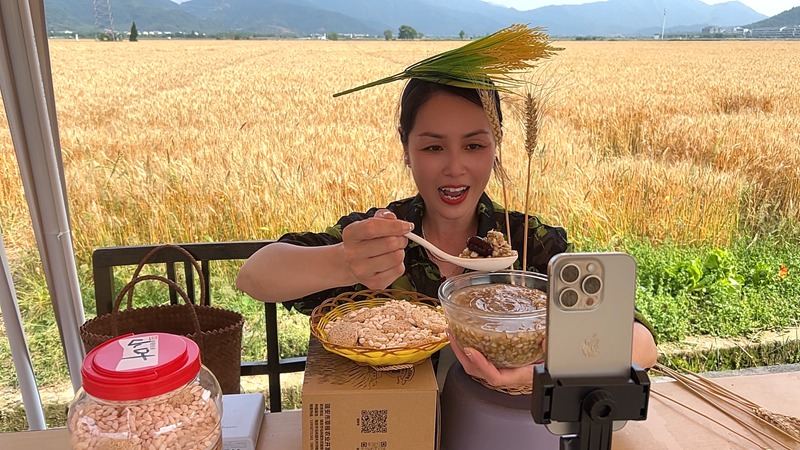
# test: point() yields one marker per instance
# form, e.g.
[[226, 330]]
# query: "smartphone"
[[590, 310]]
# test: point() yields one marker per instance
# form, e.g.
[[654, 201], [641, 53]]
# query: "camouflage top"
[[422, 274]]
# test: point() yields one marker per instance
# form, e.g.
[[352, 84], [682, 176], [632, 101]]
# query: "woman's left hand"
[[644, 355], [477, 365]]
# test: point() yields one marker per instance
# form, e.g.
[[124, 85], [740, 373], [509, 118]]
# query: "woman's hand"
[[477, 365], [374, 249], [644, 355], [645, 352]]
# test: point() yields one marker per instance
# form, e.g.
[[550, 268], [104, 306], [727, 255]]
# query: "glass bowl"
[[501, 314]]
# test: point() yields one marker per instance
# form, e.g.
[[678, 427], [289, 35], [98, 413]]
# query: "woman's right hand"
[[374, 249]]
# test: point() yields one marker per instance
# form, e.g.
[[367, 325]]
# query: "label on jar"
[[138, 352]]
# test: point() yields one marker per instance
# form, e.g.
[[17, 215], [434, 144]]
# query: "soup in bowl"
[[500, 314]]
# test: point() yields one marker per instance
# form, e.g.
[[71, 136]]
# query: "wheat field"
[[180, 141]]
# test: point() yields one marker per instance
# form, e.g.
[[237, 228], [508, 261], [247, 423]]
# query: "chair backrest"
[[106, 259]]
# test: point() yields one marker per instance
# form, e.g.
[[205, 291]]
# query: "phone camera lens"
[[570, 273], [592, 284], [568, 298]]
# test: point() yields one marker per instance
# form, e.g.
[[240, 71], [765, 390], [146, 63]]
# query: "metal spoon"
[[497, 263]]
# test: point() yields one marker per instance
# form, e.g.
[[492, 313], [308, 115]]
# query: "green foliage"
[[332, 36], [738, 292], [407, 32], [134, 33], [387, 34], [733, 358], [461, 34], [714, 272]]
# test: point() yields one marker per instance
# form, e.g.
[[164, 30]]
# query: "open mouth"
[[453, 195]]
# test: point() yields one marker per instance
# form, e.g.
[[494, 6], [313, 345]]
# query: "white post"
[[19, 346], [27, 88]]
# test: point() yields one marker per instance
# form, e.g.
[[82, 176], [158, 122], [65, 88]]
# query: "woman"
[[449, 146]]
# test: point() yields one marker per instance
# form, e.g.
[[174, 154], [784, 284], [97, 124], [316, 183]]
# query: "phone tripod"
[[593, 403]]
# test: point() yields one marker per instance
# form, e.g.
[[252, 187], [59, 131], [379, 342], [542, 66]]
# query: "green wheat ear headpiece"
[[495, 57]]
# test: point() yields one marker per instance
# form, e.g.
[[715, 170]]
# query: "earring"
[[407, 160]]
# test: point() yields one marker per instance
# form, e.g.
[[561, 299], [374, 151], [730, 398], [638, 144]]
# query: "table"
[[667, 427]]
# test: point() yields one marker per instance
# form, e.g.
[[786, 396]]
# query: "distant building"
[[711, 30], [792, 32]]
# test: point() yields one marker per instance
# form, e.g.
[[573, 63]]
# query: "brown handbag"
[[217, 331]]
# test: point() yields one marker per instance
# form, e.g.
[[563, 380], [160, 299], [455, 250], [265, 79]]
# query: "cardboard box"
[[347, 406]]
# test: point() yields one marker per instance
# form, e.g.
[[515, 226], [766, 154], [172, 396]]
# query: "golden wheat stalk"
[[532, 118], [538, 94], [706, 416], [712, 393], [490, 62], [490, 107]]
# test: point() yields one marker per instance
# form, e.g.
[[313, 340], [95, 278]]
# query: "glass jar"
[[146, 391]]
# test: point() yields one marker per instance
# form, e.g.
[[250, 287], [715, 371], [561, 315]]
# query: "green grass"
[[43, 336], [738, 291], [686, 292]]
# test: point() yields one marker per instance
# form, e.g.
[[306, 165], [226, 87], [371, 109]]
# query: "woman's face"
[[451, 152]]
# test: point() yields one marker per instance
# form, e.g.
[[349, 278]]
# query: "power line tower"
[[103, 20], [663, 24]]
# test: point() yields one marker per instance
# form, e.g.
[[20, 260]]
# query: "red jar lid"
[[137, 366]]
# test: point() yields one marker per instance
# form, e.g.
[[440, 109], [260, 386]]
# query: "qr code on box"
[[373, 420]]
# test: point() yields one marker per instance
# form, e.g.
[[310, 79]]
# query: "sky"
[[766, 7]]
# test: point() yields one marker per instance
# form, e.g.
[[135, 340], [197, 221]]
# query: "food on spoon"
[[493, 246], [480, 246]]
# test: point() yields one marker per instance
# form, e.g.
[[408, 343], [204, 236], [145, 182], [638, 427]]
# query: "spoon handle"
[[432, 248]]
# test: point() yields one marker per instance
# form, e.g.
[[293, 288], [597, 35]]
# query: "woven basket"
[[387, 358], [510, 390], [217, 331]]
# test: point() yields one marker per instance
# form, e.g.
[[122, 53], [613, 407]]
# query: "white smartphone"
[[590, 310]]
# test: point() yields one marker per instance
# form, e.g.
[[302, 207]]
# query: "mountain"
[[638, 17], [166, 15], [788, 18], [277, 17], [430, 17]]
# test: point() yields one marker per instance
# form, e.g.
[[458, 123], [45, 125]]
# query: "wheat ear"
[[490, 106], [532, 111], [712, 393]]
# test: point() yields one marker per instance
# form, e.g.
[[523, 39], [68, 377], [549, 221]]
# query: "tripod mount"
[[591, 404]]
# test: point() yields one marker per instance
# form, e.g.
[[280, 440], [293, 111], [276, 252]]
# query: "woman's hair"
[[418, 91]]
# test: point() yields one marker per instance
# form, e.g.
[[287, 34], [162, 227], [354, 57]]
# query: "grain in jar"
[[146, 391]]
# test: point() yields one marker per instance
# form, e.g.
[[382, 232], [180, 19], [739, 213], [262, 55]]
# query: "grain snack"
[[170, 422], [146, 391], [394, 324]]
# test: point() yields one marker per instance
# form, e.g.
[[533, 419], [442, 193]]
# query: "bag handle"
[[128, 288], [146, 259]]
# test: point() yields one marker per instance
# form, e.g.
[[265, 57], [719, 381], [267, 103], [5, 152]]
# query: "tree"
[[407, 32], [388, 35], [461, 34], [332, 36], [134, 33]]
